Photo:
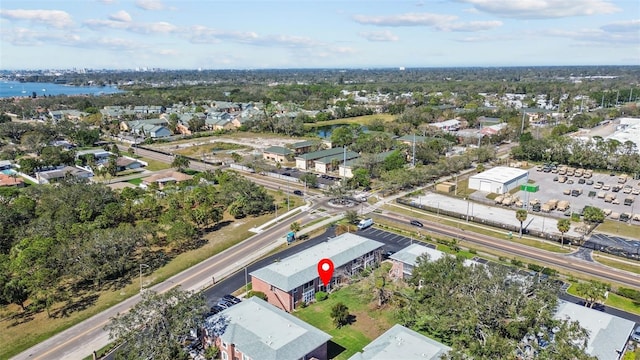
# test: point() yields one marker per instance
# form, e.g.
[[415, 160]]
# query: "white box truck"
[[363, 224]]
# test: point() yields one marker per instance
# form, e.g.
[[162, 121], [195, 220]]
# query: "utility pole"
[[522, 126], [413, 157]]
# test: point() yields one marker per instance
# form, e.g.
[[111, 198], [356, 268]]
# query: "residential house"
[[164, 178], [135, 126], [403, 343], [51, 176], [307, 161], [148, 110], [5, 164], [447, 125], [277, 153], [10, 179], [100, 155], [294, 280], [126, 163], [257, 330], [608, 334]]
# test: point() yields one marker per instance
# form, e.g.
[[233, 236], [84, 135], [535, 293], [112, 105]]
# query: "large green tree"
[[495, 309], [521, 216], [154, 327]]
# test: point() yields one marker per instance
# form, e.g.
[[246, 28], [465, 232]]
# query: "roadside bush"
[[632, 294], [516, 262], [321, 296]]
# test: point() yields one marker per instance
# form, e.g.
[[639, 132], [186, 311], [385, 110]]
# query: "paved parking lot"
[[550, 189]]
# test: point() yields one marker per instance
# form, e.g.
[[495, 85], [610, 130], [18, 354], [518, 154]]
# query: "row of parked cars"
[[225, 302]]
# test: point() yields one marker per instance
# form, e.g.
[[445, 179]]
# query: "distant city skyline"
[[267, 34]]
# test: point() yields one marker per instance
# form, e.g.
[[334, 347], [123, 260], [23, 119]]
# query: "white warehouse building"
[[498, 180]]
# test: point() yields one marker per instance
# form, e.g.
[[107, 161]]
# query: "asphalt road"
[[569, 263], [392, 242]]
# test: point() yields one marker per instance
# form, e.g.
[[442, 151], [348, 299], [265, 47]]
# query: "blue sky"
[[213, 34]]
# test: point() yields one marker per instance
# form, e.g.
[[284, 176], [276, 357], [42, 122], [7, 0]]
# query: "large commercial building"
[[294, 280], [498, 180]]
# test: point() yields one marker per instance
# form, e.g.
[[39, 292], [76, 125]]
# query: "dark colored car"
[[286, 174], [232, 299], [416, 223], [298, 192], [216, 309]]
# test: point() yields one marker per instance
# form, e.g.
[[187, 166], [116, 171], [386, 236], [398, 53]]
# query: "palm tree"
[[521, 215], [295, 226], [180, 162], [563, 226]]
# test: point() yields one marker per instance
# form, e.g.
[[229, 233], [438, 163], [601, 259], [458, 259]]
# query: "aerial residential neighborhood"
[[187, 174]]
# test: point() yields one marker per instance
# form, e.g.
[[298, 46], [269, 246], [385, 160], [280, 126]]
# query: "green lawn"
[[618, 228], [614, 300], [369, 323], [136, 181]]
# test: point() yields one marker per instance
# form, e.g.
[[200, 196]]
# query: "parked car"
[[297, 192], [636, 334], [232, 299], [416, 223], [216, 309], [225, 304]]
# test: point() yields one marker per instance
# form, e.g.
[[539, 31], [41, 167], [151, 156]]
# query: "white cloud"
[[411, 19], [379, 36], [623, 26], [52, 18], [202, 34], [140, 28], [150, 4], [470, 26], [591, 37], [543, 9], [120, 16]]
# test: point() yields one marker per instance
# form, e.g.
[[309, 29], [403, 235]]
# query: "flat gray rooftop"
[[400, 342], [298, 269], [262, 331]]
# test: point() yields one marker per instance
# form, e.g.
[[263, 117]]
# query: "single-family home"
[[294, 280], [127, 163], [276, 153], [51, 176], [5, 164], [403, 343], [257, 330], [447, 125], [165, 177], [10, 179]]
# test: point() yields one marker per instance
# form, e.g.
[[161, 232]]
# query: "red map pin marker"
[[325, 270]]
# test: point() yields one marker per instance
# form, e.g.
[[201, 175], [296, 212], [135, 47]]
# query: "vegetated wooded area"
[[64, 242]]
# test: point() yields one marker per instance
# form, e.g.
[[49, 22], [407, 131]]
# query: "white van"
[[363, 224]]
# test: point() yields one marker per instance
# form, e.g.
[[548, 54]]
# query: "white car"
[[635, 336]]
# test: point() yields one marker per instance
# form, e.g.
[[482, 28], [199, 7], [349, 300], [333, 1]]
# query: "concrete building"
[[294, 280], [608, 334], [406, 259], [498, 180], [277, 153], [400, 342], [323, 158], [257, 330]]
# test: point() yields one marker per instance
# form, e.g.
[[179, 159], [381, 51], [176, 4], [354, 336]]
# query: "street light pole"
[[141, 265]]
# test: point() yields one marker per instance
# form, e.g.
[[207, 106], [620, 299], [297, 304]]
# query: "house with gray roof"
[[294, 280], [302, 147], [333, 162], [257, 330], [608, 334], [406, 259], [403, 343]]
